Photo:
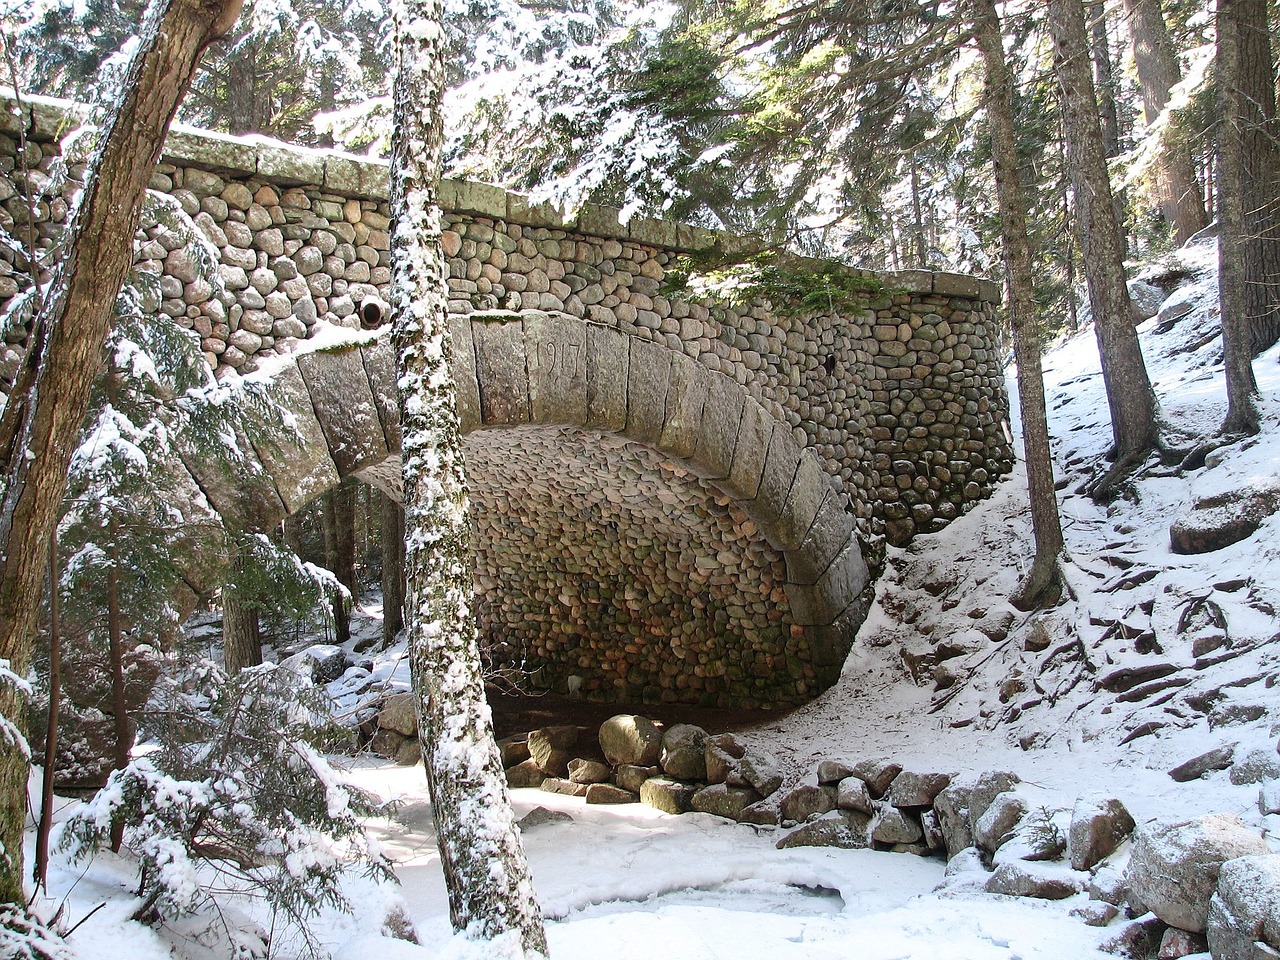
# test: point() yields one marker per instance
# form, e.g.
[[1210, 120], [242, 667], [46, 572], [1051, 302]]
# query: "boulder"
[[1145, 299], [933, 838], [410, 752], [1179, 943], [514, 750], [846, 829], [722, 755], [998, 820], [387, 743], [608, 793], [1245, 910], [1269, 797], [952, 808], [1040, 835], [400, 713], [629, 776], [985, 789], [669, 796], [684, 752], [589, 771], [553, 747], [1098, 825], [759, 771], [562, 786], [763, 813], [1109, 885], [1225, 518], [878, 774], [833, 771], [1174, 867], [806, 801], [525, 774], [1041, 881], [541, 815], [911, 789], [1219, 758], [724, 800], [891, 825], [852, 794], [632, 740], [1256, 766], [1095, 913]]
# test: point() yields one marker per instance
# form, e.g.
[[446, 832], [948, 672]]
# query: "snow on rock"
[[1174, 867]]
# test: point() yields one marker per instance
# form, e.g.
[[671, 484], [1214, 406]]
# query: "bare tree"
[[490, 893], [1124, 372], [50, 398]]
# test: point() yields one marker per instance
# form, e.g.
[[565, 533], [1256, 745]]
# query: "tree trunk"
[[241, 630], [917, 218], [1043, 584], [392, 569], [339, 548], [1259, 168], [1158, 73], [1105, 81], [50, 398], [119, 706], [242, 82], [1124, 373], [490, 892], [40, 873], [1233, 278]]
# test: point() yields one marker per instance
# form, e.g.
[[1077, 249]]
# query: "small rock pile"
[[1180, 888]]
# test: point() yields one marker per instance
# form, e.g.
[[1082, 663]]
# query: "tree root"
[[1041, 588]]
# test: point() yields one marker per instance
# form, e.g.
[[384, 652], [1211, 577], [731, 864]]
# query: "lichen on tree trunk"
[[490, 892]]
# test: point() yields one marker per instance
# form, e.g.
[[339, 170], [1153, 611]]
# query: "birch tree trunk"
[[490, 892], [1158, 73], [1233, 297], [42, 419], [1043, 584], [1124, 372]]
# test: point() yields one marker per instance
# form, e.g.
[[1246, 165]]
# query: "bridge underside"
[[598, 558]]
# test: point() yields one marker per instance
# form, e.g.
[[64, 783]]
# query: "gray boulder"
[[564, 787], [891, 825], [764, 813], [833, 771], [722, 755], [852, 794], [952, 809], [588, 771], [400, 714], [1174, 867], [669, 796], [608, 793], [998, 820], [631, 740], [541, 815], [985, 790], [1026, 879], [1256, 766], [759, 771], [684, 752], [878, 774], [1244, 913], [1219, 758], [525, 774], [553, 747], [911, 789], [723, 800], [846, 829], [807, 801], [1269, 797], [630, 777], [1098, 825], [514, 750]]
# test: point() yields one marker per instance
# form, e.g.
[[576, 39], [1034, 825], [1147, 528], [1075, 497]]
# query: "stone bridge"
[[675, 495]]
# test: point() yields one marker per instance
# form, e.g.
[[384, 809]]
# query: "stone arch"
[[535, 369]]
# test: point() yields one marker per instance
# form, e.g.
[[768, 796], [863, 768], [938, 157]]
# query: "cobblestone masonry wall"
[[903, 401]]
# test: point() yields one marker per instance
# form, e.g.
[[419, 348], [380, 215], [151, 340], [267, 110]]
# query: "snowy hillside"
[[1155, 659]]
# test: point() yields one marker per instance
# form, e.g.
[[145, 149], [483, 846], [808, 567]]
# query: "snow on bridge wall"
[[614, 422]]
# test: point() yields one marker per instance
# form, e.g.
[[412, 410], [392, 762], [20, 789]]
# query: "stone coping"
[[368, 178]]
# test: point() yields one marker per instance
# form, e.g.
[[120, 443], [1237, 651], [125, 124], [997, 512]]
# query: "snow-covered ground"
[[632, 882]]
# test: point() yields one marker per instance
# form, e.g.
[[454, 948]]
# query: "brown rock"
[[1043, 882], [608, 793], [846, 829], [1098, 826], [669, 796], [807, 801], [632, 740], [911, 789], [588, 771], [629, 776], [878, 775], [562, 786], [525, 774], [724, 801]]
